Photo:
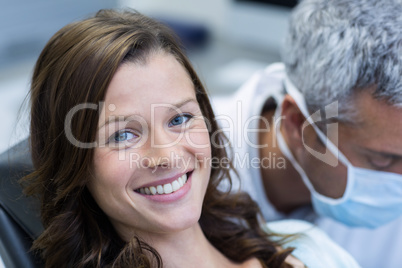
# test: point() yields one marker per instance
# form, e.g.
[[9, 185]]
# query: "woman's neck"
[[189, 247]]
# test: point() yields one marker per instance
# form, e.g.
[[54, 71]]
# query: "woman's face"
[[152, 138]]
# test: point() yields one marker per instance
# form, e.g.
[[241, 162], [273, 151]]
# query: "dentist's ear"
[[292, 128]]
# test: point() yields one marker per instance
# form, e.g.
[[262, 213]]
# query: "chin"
[[180, 223]]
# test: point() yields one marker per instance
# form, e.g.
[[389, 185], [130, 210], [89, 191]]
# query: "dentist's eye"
[[122, 136], [381, 162], [180, 119]]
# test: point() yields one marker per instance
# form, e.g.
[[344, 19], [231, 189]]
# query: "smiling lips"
[[167, 188]]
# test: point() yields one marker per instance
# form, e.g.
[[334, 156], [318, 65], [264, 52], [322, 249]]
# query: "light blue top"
[[313, 247]]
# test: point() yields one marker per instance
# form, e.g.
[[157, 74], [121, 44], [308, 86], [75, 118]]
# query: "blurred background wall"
[[258, 24], [25, 26]]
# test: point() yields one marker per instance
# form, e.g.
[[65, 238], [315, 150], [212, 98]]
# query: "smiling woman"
[[122, 137]]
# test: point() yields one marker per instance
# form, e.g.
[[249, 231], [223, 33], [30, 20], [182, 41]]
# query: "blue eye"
[[180, 119], [122, 136]]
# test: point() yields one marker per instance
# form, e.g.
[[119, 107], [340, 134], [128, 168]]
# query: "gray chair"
[[19, 216]]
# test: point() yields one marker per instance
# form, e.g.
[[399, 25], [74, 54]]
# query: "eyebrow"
[[119, 118], [181, 104]]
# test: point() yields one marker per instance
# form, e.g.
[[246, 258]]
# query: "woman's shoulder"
[[312, 246]]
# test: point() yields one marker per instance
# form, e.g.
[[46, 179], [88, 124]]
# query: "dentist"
[[331, 115]]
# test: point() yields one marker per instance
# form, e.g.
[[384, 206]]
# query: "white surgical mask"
[[372, 198]]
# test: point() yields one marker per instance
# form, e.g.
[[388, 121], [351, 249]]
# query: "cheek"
[[327, 180], [110, 172], [199, 144], [199, 139]]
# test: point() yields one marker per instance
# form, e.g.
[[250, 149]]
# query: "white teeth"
[[159, 188], [175, 186], [181, 183], [153, 190], [147, 191], [166, 188]]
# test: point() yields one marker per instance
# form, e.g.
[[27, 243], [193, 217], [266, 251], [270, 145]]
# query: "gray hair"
[[336, 47]]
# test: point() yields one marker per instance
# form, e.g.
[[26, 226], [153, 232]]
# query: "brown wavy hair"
[[76, 66]]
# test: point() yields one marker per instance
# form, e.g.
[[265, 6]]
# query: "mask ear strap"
[[286, 151], [311, 119]]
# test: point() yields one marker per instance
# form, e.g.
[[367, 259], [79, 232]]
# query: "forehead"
[[380, 124], [136, 86]]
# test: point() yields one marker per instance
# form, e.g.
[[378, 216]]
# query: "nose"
[[162, 150], [157, 157]]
